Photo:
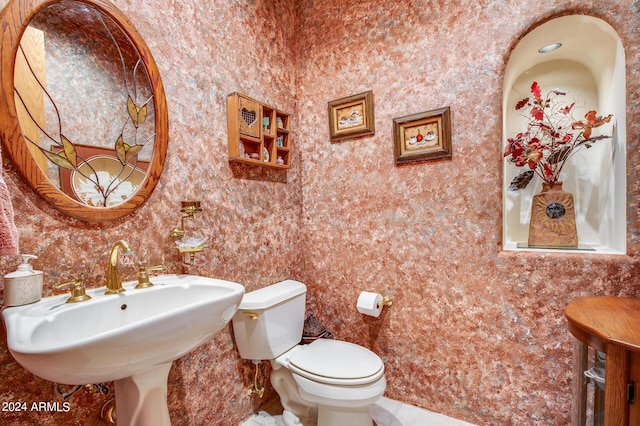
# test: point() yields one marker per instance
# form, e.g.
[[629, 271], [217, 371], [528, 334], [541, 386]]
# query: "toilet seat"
[[337, 363]]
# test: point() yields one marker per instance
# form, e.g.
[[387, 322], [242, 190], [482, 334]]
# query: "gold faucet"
[[114, 283]]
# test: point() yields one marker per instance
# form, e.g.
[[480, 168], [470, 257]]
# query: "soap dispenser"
[[24, 285]]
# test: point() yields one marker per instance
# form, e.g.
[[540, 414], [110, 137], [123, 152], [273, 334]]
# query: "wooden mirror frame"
[[14, 20]]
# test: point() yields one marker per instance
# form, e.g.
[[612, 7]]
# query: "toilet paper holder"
[[386, 301], [370, 303]]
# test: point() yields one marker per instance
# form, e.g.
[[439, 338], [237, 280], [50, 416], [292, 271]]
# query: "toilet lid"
[[334, 360]]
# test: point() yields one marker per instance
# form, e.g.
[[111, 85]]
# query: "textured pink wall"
[[205, 50], [474, 332]]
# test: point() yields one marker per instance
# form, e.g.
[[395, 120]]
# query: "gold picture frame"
[[423, 136], [351, 117]]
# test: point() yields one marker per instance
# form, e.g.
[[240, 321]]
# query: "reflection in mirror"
[[85, 103], [85, 120]]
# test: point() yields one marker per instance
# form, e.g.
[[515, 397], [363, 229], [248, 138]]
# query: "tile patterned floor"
[[385, 412]]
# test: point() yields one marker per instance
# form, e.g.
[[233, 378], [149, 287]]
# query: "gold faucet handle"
[[78, 292], [143, 275]]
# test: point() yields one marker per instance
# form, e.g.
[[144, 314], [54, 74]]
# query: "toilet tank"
[[269, 320]]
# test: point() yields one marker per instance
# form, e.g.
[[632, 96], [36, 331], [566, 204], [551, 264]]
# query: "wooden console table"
[[610, 325]]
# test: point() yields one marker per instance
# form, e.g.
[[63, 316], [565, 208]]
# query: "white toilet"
[[328, 381]]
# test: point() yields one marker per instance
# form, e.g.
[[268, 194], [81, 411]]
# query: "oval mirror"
[[83, 114]]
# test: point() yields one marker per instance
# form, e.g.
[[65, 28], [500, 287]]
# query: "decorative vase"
[[553, 218]]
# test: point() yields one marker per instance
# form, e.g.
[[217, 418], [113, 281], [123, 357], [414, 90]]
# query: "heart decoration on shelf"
[[248, 117]]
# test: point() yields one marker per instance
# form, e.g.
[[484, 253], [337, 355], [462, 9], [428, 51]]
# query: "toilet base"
[[331, 416], [297, 411], [302, 408]]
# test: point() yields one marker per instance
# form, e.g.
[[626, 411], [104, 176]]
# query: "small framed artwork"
[[351, 117], [423, 136]]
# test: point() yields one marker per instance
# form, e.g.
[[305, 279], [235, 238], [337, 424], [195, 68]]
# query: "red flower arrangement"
[[552, 136]]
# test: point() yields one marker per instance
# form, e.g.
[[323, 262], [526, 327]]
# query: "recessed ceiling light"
[[549, 47]]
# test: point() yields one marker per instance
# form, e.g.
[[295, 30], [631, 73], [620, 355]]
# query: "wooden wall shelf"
[[259, 134]]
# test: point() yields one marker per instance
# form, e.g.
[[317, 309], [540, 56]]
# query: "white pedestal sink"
[[130, 338]]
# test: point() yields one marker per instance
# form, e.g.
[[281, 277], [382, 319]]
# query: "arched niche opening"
[[590, 66]]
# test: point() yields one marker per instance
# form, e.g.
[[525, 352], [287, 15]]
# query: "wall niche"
[[590, 65]]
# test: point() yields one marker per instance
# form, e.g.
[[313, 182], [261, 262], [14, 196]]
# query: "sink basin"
[[119, 337]]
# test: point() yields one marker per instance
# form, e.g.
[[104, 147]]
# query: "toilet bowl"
[[330, 382]]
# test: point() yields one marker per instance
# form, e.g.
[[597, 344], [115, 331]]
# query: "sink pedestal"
[[142, 398]]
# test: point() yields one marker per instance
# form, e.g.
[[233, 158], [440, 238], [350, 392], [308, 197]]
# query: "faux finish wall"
[[204, 50], [474, 332]]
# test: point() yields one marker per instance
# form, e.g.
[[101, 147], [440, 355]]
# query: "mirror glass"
[[84, 103], [90, 107]]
